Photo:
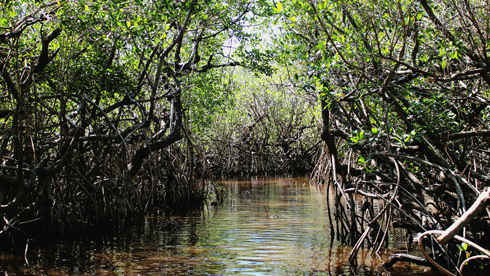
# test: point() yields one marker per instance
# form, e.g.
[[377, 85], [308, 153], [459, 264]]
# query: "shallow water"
[[267, 226]]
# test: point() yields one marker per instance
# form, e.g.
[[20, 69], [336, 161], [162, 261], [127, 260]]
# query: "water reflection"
[[268, 226]]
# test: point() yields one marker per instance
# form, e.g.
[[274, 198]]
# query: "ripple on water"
[[247, 262], [251, 258], [239, 248], [239, 269], [266, 252]]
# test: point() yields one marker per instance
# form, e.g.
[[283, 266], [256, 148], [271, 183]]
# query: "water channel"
[[267, 226]]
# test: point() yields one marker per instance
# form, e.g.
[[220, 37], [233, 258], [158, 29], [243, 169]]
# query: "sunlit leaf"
[[279, 7]]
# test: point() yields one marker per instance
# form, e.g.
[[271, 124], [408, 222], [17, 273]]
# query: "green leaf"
[[361, 160], [374, 130], [279, 7], [456, 55]]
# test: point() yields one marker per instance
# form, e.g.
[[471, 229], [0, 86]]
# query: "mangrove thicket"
[[113, 109]]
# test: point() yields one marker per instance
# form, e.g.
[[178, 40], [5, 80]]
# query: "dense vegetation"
[[404, 90], [94, 128], [271, 128], [111, 109]]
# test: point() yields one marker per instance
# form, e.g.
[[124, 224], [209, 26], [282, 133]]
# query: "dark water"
[[268, 226]]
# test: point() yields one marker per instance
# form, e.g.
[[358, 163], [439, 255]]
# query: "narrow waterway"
[[267, 226]]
